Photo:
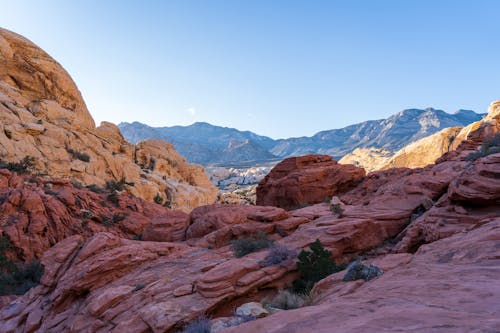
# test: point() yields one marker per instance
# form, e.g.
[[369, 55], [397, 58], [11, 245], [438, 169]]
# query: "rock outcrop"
[[370, 159], [36, 213], [305, 180], [43, 115]]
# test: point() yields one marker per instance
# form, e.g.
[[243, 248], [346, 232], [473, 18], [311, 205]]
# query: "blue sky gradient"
[[278, 68]]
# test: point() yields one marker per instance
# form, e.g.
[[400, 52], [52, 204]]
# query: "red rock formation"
[[36, 213], [305, 180]]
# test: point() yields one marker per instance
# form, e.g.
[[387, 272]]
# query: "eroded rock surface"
[[305, 180], [43, 115]]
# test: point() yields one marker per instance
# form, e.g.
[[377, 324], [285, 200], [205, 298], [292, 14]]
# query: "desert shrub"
[[313, 266], [158, 199], [167, 204], [24, 166], [285, 300], [357, 271], [113, 198], [21, 278], [489, 147], [244, 246], [113, 185], [200, 325], [336, 209], [106, 221], [277, 254], [118, 217], [139, 286], [96, 189], [78, 155]]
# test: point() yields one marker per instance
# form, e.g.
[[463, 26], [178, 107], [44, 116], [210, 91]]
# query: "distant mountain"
[[208, 144], [204, 143]]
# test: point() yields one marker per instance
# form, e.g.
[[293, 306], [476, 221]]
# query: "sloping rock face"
[[424, 151], [370, 159], [448, 286], [36, 213], [43, 115], [305, 180]]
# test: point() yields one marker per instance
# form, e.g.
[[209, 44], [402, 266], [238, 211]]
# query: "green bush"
[[489, 147], [336, 209], [113, 185], [24, 166], [78, 155], [313, 266], [21, 278], [158, 199], [244, 246]]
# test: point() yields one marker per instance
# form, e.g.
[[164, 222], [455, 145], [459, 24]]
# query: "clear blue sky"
[[278, 68]]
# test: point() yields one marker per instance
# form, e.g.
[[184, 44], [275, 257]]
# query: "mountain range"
[[208, 144]]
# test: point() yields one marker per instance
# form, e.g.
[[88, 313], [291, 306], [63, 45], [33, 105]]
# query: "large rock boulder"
[[305, 180], [43, 115]]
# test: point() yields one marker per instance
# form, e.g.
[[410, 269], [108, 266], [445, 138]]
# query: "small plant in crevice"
[[113, 197], [113, 185], [199, 325], [278, 254], [139, 286], [96, 189], [158, 199], [313, 266], [78, 155], [106, 221], [244, 246], [117, 218], [336, 209]]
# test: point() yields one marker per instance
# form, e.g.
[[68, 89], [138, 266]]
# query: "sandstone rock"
[[252, 309], [36, 213], [370, 159], [168, 227], [434, 286], [43, 115], [306, 180]]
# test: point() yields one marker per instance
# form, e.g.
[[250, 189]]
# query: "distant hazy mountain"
[[204, 143], [208, 144], [392, 133]]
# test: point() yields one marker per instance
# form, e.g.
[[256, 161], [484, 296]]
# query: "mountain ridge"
[[209, 144]]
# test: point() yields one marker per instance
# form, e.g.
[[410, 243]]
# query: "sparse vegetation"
[[26, 165], [19, 278], [113, 185], [113, 197], [336, 209], [96, 189], [78, 155], [158, 199], [139, 286], [244, 246], [200, 325], [313, 266], [489, 147], [118, 218], [278, 254], [357, 271], [284, 300]]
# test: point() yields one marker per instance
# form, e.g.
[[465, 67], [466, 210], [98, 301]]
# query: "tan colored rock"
[[43, 115], [252, 309], [370, 159], [424, 151]]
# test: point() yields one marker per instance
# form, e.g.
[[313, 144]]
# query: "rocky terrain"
[[208, 144], [43, 116], [111, 262], [433, 231]]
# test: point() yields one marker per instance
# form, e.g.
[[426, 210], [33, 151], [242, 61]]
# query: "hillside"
[[43, 117]]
